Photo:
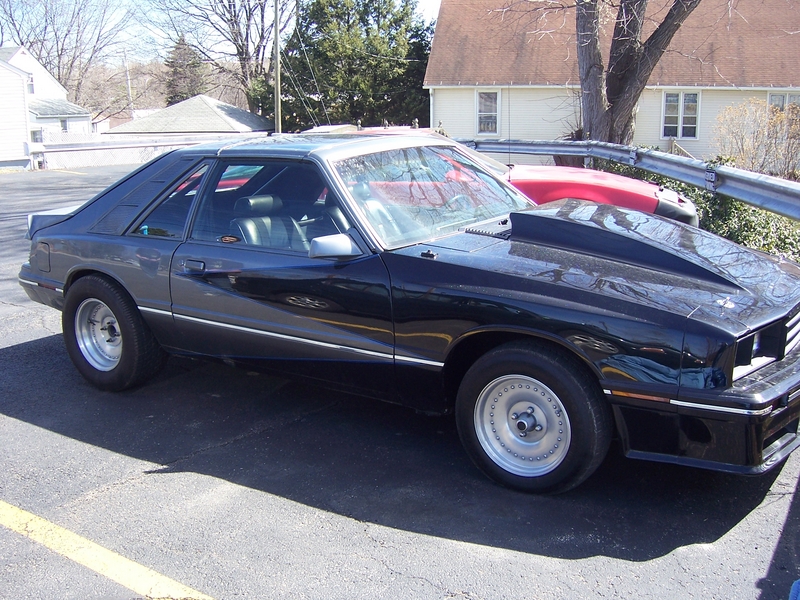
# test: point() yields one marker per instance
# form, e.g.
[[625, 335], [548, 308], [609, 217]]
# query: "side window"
[[325, 217], [680, 115], [788, 106], [778, 101], [168, 219], [270, 204], [487, 113]]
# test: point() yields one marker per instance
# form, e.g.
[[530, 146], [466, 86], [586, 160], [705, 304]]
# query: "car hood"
[[629, 256]]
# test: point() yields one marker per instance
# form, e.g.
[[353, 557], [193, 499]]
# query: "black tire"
[[106, 338], [532, 418]]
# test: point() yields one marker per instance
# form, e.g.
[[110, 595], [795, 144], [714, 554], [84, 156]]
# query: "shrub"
[[761, 138]]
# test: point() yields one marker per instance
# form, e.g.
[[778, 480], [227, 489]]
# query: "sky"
[[429, 9]]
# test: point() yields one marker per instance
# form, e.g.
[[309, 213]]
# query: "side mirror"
[[339, 245]]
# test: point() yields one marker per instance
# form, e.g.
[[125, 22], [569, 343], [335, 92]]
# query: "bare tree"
[[610, 89], [608, 104], [67, 37], [761, 138], [235, 36], [114, 90]]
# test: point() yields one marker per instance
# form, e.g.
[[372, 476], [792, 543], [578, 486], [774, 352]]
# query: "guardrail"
[[764, 191]]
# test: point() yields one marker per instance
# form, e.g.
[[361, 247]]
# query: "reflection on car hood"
[[631, 256], [605, 231]]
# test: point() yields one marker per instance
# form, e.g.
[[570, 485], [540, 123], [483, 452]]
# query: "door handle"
[[194, 266]]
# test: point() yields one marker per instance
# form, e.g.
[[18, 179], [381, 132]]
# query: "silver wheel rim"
[[98, 336], [522, 425]]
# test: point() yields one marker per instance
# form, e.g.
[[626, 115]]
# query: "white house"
[[33, 108], [13, 116], [494, 74]]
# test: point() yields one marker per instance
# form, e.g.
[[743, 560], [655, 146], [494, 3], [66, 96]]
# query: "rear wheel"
[[531, 418], [106, 338]]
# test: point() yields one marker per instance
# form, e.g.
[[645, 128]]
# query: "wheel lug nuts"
[[514, 416]]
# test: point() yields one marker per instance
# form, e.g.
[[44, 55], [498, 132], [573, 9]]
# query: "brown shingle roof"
[[728, 43]]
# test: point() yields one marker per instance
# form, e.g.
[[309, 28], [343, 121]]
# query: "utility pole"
[[128, 82], [277, 68]]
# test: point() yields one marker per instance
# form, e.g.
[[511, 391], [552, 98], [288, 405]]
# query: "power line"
[[314, 77]]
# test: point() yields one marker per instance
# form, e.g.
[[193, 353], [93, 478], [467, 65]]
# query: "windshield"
[[499, 168], [411, 195]]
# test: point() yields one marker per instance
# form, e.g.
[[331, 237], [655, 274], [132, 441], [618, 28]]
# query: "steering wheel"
[[383, 220], [460, 202]]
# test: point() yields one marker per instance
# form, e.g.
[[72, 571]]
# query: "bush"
[[761, 138]]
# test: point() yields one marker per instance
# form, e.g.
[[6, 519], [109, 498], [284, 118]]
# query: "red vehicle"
[[549, 183]]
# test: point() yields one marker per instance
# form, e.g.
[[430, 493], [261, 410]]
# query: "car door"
[[244, 288], [143, 259]]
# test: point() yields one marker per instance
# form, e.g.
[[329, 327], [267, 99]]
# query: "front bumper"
[[748, 428]]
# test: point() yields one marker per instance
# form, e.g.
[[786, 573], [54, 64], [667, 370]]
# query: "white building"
[[33, 108]]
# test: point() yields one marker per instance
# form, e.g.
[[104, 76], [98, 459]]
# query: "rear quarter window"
[[169, 217]]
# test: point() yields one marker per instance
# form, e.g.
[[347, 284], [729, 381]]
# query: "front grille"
[[792, 333], [767, 345]]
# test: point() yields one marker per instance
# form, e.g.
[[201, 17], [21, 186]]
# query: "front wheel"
[[106, 338], [532, 419]]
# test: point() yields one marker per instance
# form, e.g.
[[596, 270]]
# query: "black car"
[[399, 268]]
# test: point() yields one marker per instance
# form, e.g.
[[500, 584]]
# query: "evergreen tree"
[[355, 60], [409, 100], [187, 73]]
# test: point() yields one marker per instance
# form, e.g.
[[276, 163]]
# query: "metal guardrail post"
[[711, 179]]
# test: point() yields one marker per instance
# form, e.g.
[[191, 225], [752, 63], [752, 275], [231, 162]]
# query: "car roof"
[[323, 145]]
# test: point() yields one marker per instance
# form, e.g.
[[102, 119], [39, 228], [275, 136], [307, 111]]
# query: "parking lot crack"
[[254, 431], [442, 590], [14, 304]]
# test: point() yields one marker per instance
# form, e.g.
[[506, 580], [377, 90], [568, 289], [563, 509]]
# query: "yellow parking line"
[[135, 577]]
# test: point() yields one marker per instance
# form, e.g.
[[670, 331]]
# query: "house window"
[[778, 101], [64, 127], [487, 112], [30, 84], [781, 101], [36, 136], [680, 115], [790, 104]]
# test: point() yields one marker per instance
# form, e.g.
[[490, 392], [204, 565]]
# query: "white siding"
[[455, 109], [712, 102], [549, 113], [540, 113], [51, 127], [524, 113], [45, 86], [13, 116]]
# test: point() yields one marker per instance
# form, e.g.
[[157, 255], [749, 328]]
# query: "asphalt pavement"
[[240, 485]]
